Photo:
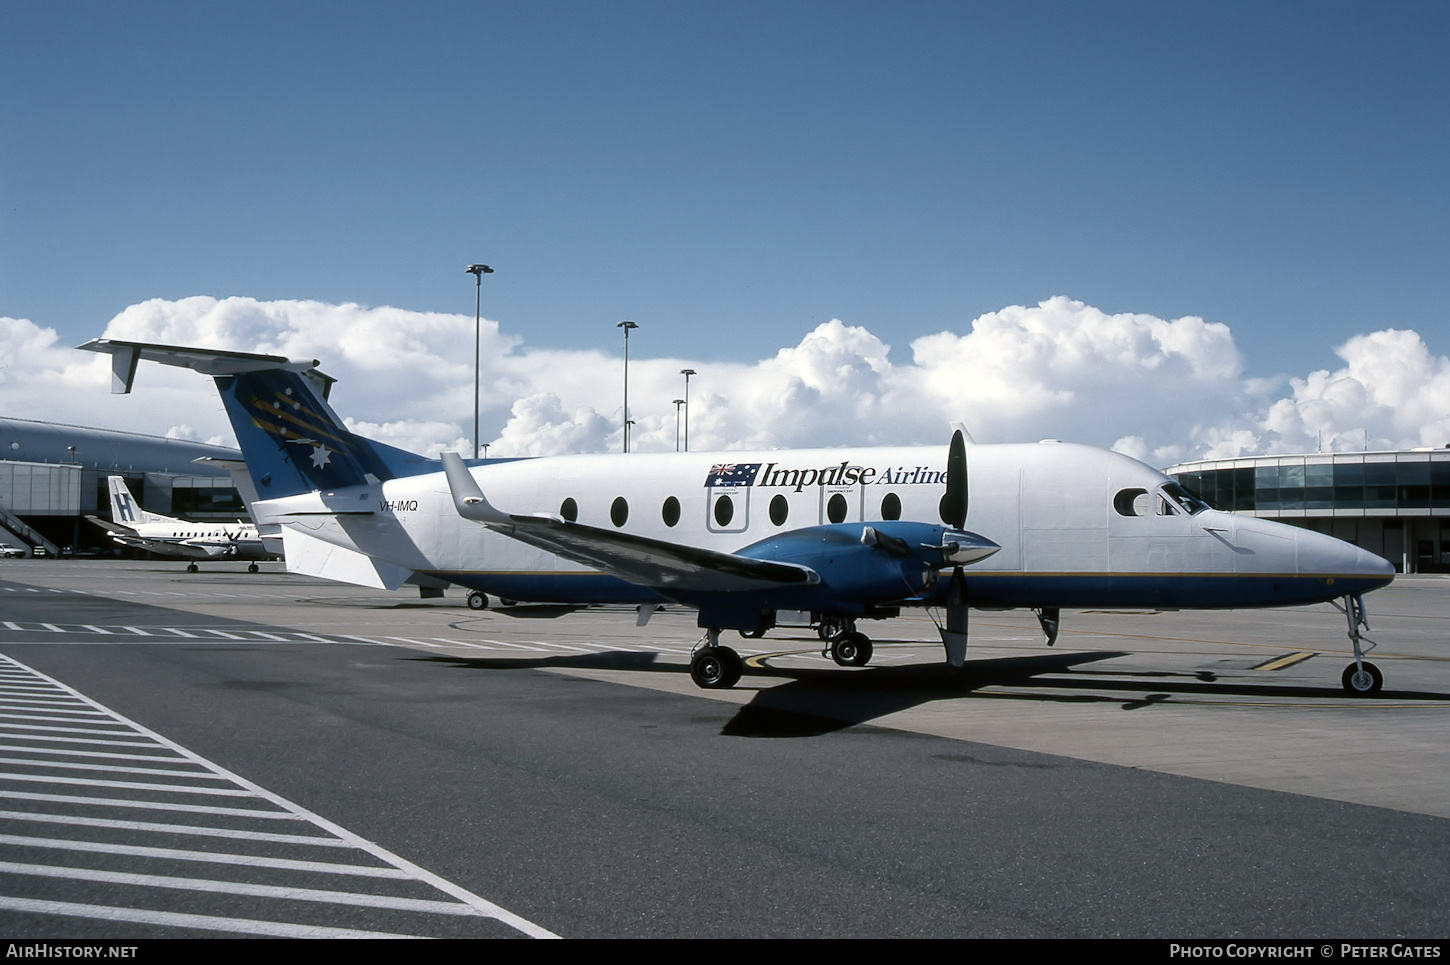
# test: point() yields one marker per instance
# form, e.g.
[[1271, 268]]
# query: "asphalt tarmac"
[[221, 754]]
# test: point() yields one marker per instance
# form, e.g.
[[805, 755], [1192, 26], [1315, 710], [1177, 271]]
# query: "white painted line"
[[52, 702], [376, 643], [12, 735], [165, 828], [54, 720], [95, 629], [175, 919], [419, 643], [513, 646], [269, 636], [128, 785], [121, 802], [68, 730], [64, 752], [52, 627], [179, 633], [111, 768], [206, 857], [221, 633], [8, 624], [216, 887], [477, 904], [309, 636], [138, 631]]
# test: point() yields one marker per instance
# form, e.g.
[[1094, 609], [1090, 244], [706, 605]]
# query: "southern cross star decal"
[[320, 456]]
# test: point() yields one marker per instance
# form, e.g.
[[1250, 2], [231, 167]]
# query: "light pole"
[[627, 423], [678, 403], [687, 373], [477, 271]]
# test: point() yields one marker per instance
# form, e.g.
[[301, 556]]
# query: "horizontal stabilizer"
[[214, 362]]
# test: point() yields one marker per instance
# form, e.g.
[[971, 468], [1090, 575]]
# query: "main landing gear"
[[844, 644], [1361, 678], [477, 601], [714, 667], [192, 568]]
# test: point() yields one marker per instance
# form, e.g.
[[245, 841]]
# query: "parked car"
[[8, 552]]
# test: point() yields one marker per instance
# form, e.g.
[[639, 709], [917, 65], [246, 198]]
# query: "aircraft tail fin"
[[291, 439], [125, 510]]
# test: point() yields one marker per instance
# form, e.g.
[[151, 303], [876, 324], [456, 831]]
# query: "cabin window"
[[891, 506], [670, 512], [779, 510], [836, 508], [724, 511], [569, 509], [1130, 502], [619, 511]]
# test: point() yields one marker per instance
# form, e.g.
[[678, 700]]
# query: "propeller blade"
[[953, 506]]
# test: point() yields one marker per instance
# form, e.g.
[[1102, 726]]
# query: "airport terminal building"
[[1396, 504], [52, 476]]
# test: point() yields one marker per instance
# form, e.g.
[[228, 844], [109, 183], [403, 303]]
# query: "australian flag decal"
[[733, 474]]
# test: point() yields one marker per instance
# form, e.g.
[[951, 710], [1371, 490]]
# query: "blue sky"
[[730, 176]]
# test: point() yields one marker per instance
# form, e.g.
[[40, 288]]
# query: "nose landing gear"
[[1361, 678]]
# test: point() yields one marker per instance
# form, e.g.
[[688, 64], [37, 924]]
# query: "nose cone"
[[1346, 563]]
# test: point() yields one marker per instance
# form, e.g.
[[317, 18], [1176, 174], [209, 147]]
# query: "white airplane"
[[130, 525], [825, 536]]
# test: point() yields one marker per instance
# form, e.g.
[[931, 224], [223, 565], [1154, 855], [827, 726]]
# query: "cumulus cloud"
[[1158, 389]]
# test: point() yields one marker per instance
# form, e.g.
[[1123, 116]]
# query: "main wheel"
[[192, 568], [253, 568], [716, 668], [477, 601], [1364, 683], [751, 634], [852, 650]]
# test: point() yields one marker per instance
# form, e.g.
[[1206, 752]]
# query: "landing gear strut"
[[1361, 678], [714, 667]]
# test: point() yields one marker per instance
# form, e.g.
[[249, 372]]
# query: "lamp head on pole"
[[478, 271]]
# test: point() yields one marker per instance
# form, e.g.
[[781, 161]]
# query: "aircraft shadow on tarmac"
[[817, 701]]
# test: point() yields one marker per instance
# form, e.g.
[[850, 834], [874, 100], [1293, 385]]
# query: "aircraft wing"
[[637, 559]]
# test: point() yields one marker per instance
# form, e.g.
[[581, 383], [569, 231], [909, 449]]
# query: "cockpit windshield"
[[1191, 502]]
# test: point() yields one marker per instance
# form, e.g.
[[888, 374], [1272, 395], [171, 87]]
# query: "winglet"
[[468, 499]]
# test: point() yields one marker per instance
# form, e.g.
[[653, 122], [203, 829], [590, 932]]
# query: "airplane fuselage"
[[1077, 526]]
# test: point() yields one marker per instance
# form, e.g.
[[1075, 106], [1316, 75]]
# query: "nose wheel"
[[1363, 679]]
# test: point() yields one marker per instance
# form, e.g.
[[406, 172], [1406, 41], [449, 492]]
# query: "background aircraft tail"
[[291, 439], [124, 507]]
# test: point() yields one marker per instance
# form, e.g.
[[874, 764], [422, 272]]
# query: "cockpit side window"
[[1183, 499]]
